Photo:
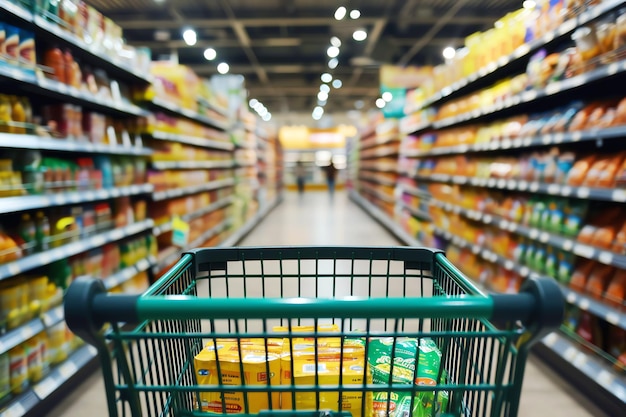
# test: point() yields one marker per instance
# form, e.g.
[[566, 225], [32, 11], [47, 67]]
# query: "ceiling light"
[[387, 96], [359, 35], [355, 14], [334, 41], [325, 88], [380, 103], [340, 13], [322, 102], [326, 77], [316, 116], [267, 117], [318, 111], [210, 54], [322, 96], [257, 106], [223, 68], [449, 52], [337, 83], [253, 102], [332, 64], [263, 112], [190, 37], [529, 4], [332, 51]]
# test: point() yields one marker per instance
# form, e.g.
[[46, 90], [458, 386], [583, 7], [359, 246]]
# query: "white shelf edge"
[[194, 189]]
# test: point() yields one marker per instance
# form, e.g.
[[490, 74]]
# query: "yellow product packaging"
[[5, 375], [333, 360], [322, 328], [18, 370], [255, 361]]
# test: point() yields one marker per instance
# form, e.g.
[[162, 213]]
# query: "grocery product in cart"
[[182, 347]]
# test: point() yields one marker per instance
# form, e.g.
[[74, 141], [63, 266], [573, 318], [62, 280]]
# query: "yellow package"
[[322, 328], [255, 366], [328, 366]]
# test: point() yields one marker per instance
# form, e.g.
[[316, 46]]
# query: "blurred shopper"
[[331, 176], [300, 174]]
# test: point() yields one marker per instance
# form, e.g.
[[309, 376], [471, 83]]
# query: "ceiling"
[[280, 45]]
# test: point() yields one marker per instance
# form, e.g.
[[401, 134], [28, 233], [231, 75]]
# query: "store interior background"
[[133, 130]]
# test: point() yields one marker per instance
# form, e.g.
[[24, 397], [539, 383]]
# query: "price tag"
[[612, 69], [534, 187], [606, 258], [527, 141], [524, 271], [568, 245], [584, 251], [491, 182], [558, 138], [553, 88], [508, 265], [570, 353], [522, 185], [14, 268], [619, 195], [553, 189], [511, 184], [566, 191], [550, 339], [544, 237], [487, 219], [512, 227], [506, 143], [180, 232], [534, 233], [568, 26], [68, 369], [501, 183], [546, 139], [612, 318], [582, 192], [577, 136], [45, 388], [584, 304]]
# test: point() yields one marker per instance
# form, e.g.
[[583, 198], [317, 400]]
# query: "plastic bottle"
[[68, 61], [585, 328], [18, 115], [55, 60], [28, 233], [42, 231], [5, 375], [18, 369], [34, 361]]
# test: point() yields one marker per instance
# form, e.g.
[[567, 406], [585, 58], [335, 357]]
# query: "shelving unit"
[[422, 180]]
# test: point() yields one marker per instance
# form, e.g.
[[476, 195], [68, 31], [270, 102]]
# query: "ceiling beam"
[[244, 39], [432, 32], [222, 43], [295, 21]]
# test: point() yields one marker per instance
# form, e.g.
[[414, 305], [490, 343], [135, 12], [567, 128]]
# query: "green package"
[[380, 357]]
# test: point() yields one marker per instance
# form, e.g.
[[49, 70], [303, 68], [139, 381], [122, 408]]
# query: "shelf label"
[[584, 251], [571, 297], [570, 353], [544, 237], [506, 143], [14, 268], [511, 184], [522, 185], [512, 227], [619, 195], [606, 257], [577, 136], [558, 138], [612, 318], [16, 410], [487, 219], [524, 271], [491, 182], [566, 191], [553, 189], [68, 369], [568, 245], [44, 388], [550, 339], [582, 192], [534, 233], [509, 265], [534, 187], [180, 229], [501, 183]]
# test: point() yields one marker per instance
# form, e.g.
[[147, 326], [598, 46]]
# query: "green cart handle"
[[539, 305]]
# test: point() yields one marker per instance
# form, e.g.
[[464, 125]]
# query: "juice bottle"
[[34, 361], [42, 231], [18, 371], [54, 59], [28, 233], [5, 113], [68, 61], [616, 289], [5, 375], [18, 115]]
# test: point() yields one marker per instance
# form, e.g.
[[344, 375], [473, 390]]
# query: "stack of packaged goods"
[[325, 362]]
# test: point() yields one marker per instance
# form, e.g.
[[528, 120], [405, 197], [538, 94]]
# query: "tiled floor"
[[316, 220]]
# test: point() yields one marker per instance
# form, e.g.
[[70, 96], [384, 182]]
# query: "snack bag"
[[256, 362], [380, 356]]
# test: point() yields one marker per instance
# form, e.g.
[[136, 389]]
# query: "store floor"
[[316, 220]]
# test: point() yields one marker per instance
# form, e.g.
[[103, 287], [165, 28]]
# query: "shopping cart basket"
[[233, 296]]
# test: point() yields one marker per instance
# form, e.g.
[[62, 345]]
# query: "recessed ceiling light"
[[326, 77], [332, 64], [322, 102], [267, 117], [325, 88], [387, 96], [529, 4], [335, 41], [355, 14], [359, 35], [449, 52], [323, 96], [337, 83], [210, 54], [253, 102], [332, 51], [380, 103], [340, 13], [257, 106], [190, 37], [223, 68]]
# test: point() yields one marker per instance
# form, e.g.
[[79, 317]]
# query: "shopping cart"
[[212, 297]]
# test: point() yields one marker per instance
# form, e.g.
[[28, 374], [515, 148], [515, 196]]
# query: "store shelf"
[[16, 141], [421, 215], [194, 189], [582, 301], [594, 368], [617, 195], [161, 104], [33, 202], [17, 336], [193, 164], [380, 153], [66, 93], [384, 220], [377, 179], [567, 244], [58, 376], [379, 140], [167, 227], [501, 68], [37, 260], [193, 140], [618, 132], [380, 168], [172, 254], [414, 191], [220, 110], [552, 89], [242, 232], [416, 128], [379, 195], [126, 274]]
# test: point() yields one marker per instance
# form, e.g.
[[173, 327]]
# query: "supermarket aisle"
[[315, 220]]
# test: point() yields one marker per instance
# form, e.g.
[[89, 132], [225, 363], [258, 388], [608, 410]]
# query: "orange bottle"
[[579, 278], [68, 61], [598, 280], [615, 293], [54, 59]]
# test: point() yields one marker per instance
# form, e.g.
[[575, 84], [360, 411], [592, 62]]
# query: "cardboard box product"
[[298, 366], [255, 361]]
